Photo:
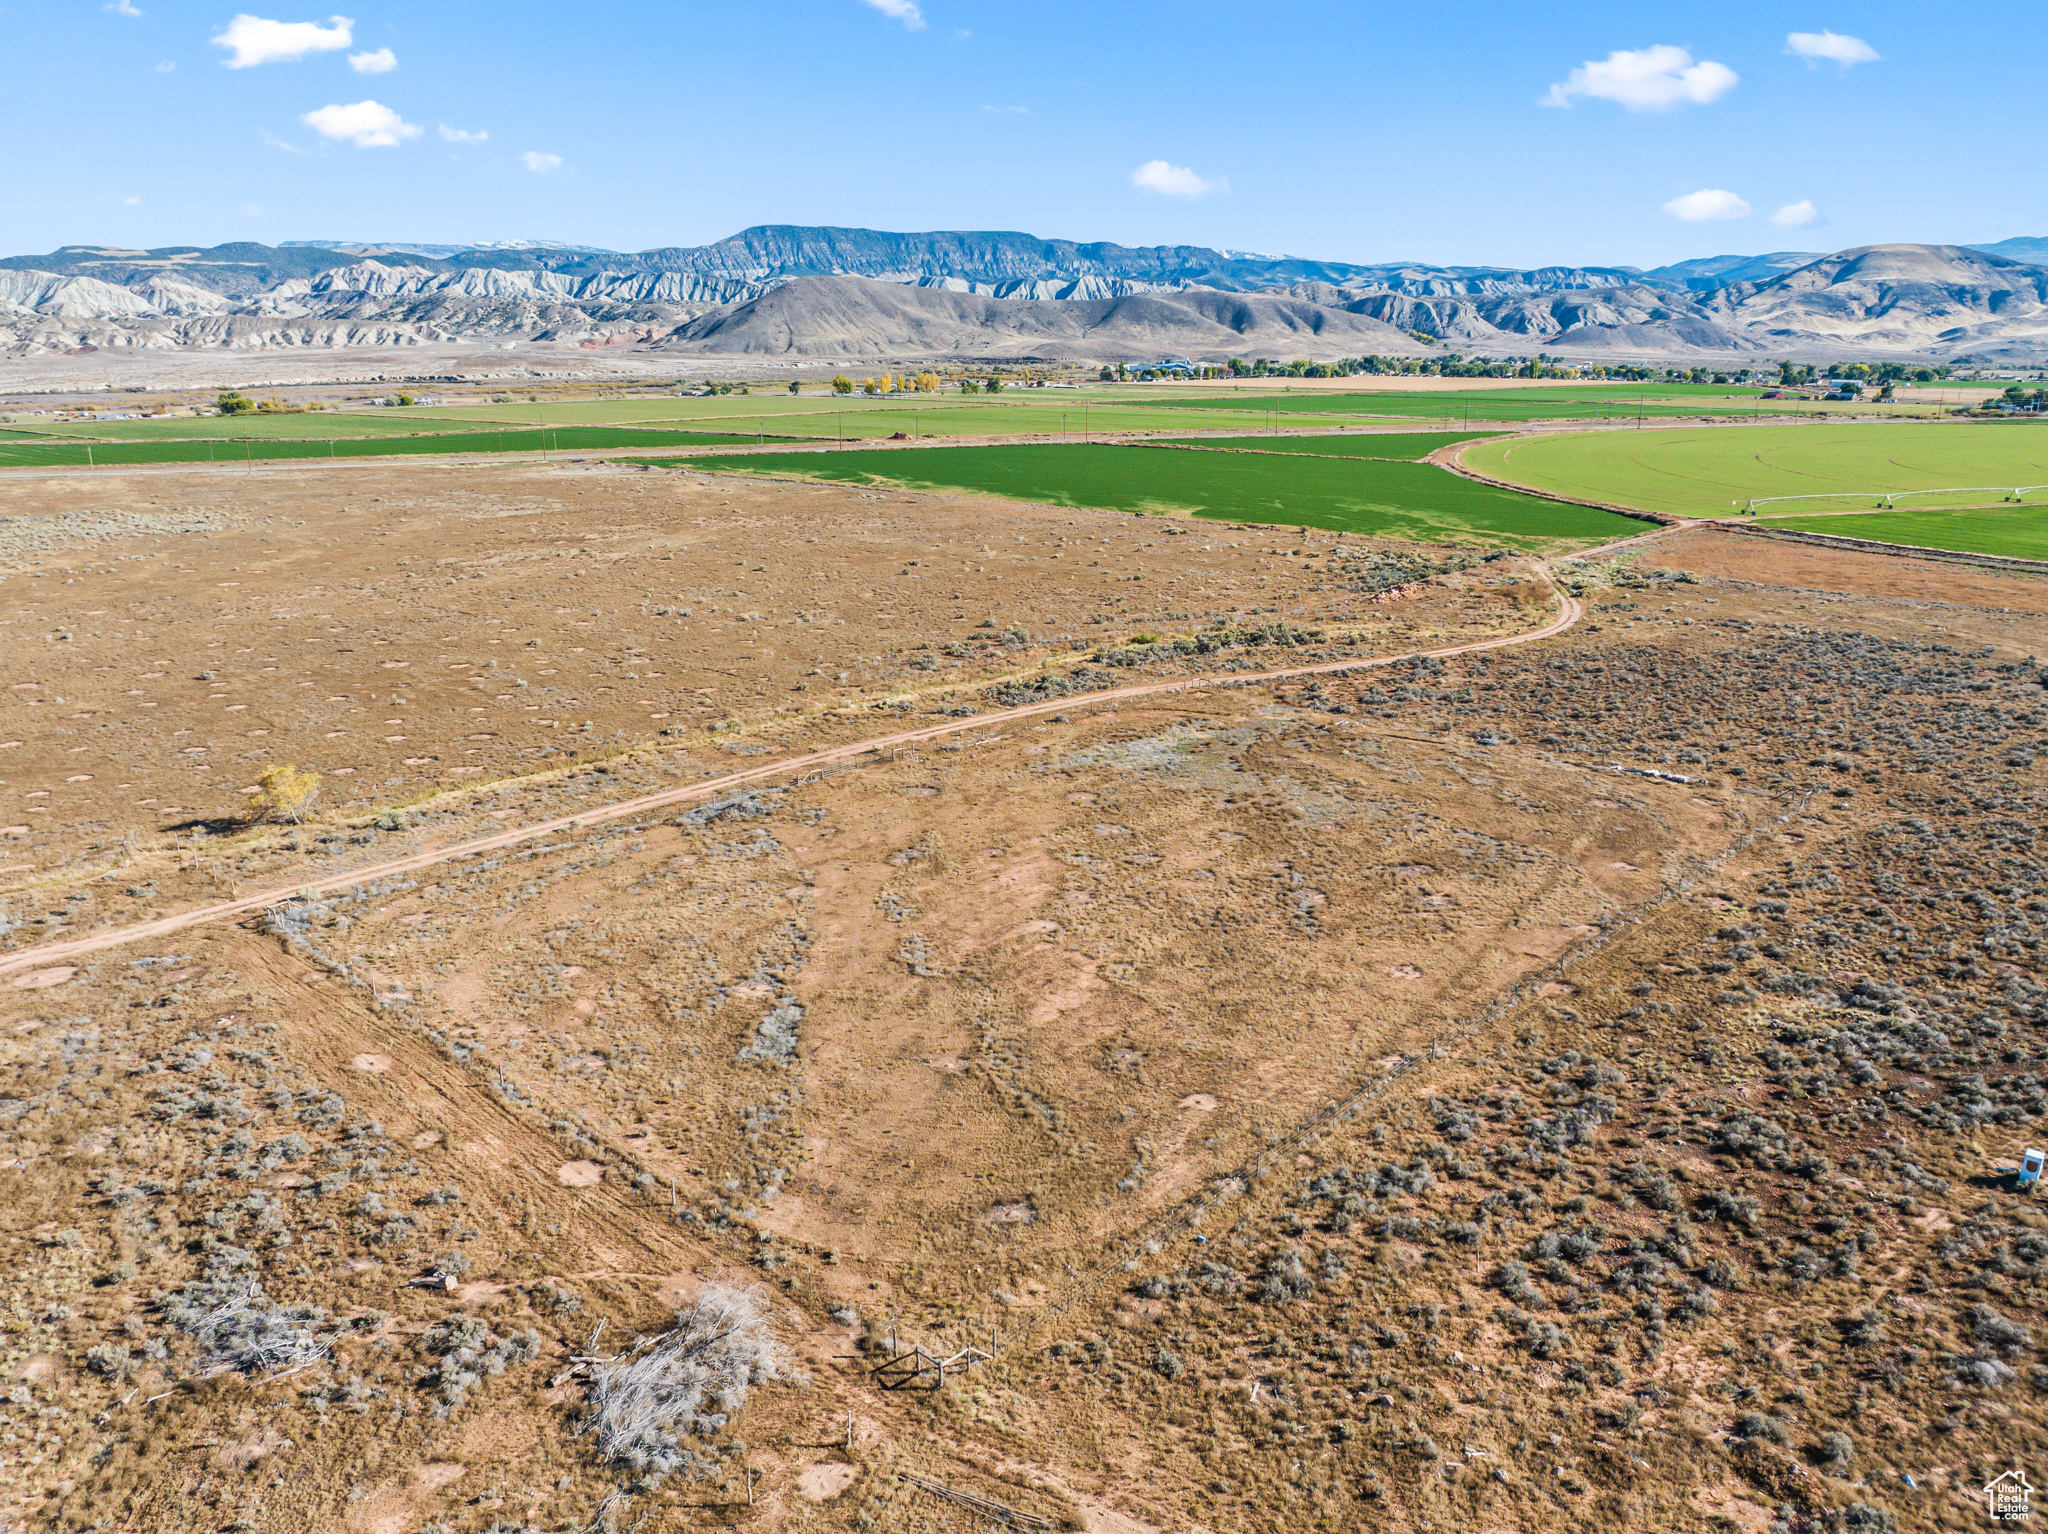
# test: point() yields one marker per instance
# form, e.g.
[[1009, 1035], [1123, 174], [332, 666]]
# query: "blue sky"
[[1465, 132]]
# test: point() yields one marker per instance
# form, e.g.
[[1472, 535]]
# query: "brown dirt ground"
[[406, 629], [1733, 556], [927, 1045]]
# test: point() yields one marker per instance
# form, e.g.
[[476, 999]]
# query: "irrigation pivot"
[[1885, 498]]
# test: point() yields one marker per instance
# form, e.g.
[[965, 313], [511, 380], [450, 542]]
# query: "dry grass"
[[685, 1384], [1671, 1193]]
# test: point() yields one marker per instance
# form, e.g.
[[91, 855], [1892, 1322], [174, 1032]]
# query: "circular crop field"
[[1714, 471]]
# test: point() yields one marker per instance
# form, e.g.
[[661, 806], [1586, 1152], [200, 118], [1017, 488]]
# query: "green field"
[[1404, 445], [1594, 401], [1704, 472], [1400, 500], [666, 420], [2017, 532], [43, 455], [1089, 411], [1018, 411], [308, 424]]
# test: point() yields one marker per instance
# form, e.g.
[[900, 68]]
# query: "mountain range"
[[796, 294]]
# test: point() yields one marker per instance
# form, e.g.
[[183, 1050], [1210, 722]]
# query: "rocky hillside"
[[801, 293], [1900, 298], [1707, 273], [857, 317]]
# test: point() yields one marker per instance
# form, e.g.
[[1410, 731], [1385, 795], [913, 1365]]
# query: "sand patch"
[[37, 979], [821, 1483]]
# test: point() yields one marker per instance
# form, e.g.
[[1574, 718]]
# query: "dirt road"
[[1569, 613]]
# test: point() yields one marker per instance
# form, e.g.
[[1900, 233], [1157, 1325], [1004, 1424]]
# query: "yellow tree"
[[927, 383], [283, 793]]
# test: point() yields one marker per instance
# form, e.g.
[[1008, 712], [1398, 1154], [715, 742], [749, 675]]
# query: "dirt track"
[[1569, 614], [1375, 968]]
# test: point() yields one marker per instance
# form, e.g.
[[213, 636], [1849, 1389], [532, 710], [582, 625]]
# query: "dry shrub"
[[246, 1334], [283, 792], [690, 1380]]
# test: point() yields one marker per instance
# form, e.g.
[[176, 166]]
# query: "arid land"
[[1336, 1101]]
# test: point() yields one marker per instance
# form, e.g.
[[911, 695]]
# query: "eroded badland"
[[1335, 1101]]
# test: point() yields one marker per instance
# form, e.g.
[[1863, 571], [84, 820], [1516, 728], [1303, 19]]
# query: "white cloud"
[[381, 62], [1653, 79], [1707, 206], [254, 40], [540, 163], [165, 66], [1007, 111], [1173, 180], [272, 141], [366, 124], [1796, 215], [463, 135], [129, 202], [1815, 46], [905, 11], [122, 8]]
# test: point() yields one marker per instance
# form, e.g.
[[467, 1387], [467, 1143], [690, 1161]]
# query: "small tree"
[[1106, 374], [404, 399], [283, 793], [992, 386], [841, 384], [234, 404], [795, 385], [969, 386], [927, 383]]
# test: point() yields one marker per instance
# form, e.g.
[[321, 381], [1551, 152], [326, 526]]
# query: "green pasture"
[[661, 410], [977, 417], [1407, 445], [2017, 532], [1459, 405], [1148, 407], [953, 414], [307, 424], [1310, 397], [1702, 472], [850, 417], [1400, 500], [39, 455]]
